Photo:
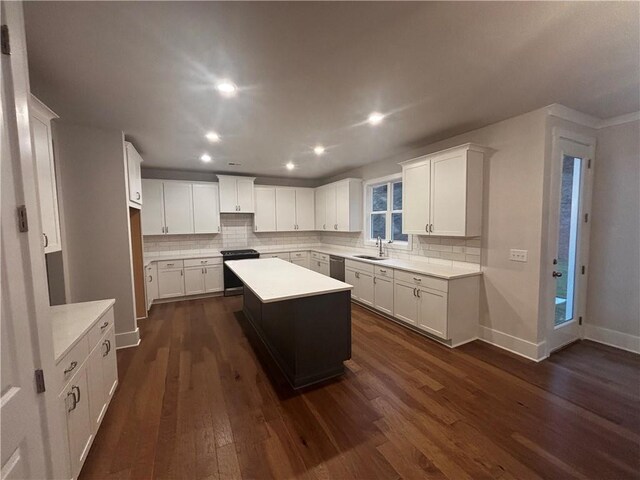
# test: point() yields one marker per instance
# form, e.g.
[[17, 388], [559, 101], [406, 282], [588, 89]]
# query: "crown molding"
[[571, 115], [620, 120]]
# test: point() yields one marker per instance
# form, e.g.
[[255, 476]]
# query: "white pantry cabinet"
[[206, 214], [265, 209], [134, 176], [176, 207], [40, 120], [442, 193], [236, 194], [342, 211]]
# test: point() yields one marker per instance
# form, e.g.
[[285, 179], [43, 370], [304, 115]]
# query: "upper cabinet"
[[40, 119], [338, 206], [174, 207], [284, 209], [134, 161], [442, 193], [236, 194]]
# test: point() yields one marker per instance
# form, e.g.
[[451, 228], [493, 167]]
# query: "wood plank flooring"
[[196, 400]]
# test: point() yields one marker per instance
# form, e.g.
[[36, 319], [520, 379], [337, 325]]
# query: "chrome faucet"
[[379, 245]]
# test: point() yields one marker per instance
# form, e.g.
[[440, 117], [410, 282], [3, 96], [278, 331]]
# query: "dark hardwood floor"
[[196, 401]]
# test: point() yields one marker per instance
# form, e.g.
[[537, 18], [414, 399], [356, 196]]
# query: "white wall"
[[512, 218], [613, 301], [95, 220]]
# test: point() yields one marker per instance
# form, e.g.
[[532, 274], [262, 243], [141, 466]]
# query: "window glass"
[[378, 225], [397, 235], [379, 198], [397, 196]]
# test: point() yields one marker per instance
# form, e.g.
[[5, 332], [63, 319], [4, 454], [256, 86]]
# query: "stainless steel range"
[[232, 284]]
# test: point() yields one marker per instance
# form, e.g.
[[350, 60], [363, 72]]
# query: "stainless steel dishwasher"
[[336, 268]]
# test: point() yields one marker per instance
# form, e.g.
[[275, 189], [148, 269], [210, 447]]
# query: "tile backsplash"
[[237, 232]]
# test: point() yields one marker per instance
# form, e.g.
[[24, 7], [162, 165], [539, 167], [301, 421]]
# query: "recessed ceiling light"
[[205, 157], [375, 118], [290, 166], [213, 137], [318, 150], [226, 88]]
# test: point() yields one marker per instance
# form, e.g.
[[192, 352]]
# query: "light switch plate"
[[518, 255]]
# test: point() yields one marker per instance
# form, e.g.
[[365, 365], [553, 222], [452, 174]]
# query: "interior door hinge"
[[23, 221], [40, 388], [579, 320], [586, 217], [583, 269], [4, 39]]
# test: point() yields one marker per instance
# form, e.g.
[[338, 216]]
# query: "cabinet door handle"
[[218, 228], [137, 195], [181, 273], [46, 240], [414, 293], [418, 293], [205, 270], [383, 271], [71, 368], [75, 402], [104, 325], [167, 229], [335, 227], [426, 228], [77, 389], [150, 278], [374, 280], [417, 279], [431, 228]]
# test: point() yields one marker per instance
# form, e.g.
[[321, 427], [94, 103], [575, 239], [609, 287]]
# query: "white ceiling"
[[311, 73]]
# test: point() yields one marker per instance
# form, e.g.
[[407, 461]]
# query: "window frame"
[[369, 185]]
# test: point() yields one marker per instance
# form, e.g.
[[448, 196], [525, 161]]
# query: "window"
[[384, 211]]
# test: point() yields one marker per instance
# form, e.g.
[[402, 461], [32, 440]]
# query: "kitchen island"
[[302, 317]]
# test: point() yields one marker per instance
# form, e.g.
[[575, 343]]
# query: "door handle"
[[556, 274]]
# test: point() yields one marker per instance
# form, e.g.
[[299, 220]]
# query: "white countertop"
[[274, 279], [71, 321], [423, 265]]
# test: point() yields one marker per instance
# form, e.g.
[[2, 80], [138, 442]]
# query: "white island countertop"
[[274, 279], [71, 321]]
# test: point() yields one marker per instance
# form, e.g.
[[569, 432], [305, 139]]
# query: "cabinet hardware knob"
[[556, 274], [71, 368], [46, 240], [104, 325]]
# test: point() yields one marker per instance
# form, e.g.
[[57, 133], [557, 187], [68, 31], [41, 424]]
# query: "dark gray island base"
[[309, 337]]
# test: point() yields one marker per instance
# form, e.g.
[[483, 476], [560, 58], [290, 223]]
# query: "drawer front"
[[422, 280], [72, 362], [299, 255], [360, 266], [100, 328], [383, 271], [170, 264], [201, 262], [282, 255], [320, 256]]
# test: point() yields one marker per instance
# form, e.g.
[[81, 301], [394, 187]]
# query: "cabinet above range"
[[236, 194], [176, 207]]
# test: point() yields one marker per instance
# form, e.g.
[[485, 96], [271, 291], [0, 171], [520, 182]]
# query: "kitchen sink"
[[369, 257]]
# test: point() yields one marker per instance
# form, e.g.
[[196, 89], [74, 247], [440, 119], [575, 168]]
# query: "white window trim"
[[368, 184]]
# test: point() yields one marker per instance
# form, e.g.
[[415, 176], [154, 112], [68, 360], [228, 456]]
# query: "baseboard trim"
[[524, 348], [613, 338], [128, 339]]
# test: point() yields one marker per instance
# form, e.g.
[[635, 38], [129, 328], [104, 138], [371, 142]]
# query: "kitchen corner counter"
[[72, 321]]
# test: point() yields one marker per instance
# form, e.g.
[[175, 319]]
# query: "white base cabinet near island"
[[89, 374], [178, 278], [360, 275]]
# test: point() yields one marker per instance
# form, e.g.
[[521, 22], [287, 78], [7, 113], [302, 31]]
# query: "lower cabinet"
[[383, 294], [362, 282], [320, 266], [85, 397], [421, 306], [189, 277], [300, 258], [405, 302], [193, 280], [170, 282], [151, 283], [213, 280]]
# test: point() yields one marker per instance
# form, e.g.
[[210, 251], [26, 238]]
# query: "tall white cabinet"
[[338, 206], [40, 117], [175, 207], [442, 193]]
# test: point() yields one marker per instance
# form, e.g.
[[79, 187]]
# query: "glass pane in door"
[[567, 238]]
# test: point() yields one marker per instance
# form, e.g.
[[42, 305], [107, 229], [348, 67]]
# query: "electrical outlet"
[[518, 255]]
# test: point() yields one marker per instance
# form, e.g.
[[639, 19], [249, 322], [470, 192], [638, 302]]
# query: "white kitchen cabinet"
[[152, 214], [178, 207], [281, 255], [432, 315], [96, 387], [236, 194], [74, 398], [360, 276], [321, 209], [286, 209], [171, 282], [265, 209], [405, 302], [206, 213], [151, 283], [442, 193], [134, 177], [342, 206], [305, 209], [300, 258], [193, 280], [383, 294], [40, 120], [213, 280], [320, 266]]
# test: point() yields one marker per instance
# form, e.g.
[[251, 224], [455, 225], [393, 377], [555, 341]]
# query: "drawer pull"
[[417, 279], [170, 264], [71, 368], [383, 271], [75, 402], [104, 325]]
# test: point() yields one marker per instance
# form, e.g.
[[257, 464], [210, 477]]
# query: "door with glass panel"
[[572, 169]]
